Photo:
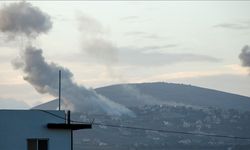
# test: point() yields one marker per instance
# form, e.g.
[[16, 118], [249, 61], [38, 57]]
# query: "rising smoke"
[[23, 19], [94, 41], [43, 76], [26, 20], [95, 45], [136, 98], [245, 56]]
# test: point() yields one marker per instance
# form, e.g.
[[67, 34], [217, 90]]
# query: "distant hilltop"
[[160, 93]]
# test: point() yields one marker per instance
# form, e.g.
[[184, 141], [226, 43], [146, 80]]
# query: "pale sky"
[[188, 42]]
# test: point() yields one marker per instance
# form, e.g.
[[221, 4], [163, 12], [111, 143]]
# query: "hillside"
[[131, 94], [170, 107], [167, 93]]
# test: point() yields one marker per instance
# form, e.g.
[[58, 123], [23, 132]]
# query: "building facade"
[[28, 130]]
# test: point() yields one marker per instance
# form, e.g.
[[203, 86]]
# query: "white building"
[[36, 130]]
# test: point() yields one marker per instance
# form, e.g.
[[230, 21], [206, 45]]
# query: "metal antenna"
[[59, 99]]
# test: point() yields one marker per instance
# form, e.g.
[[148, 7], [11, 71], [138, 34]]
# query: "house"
[[37, 130]]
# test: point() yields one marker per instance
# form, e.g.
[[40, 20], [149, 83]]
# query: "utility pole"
[[59, 98]]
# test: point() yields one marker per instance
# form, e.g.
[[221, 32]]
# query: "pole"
[[72, 139], [69, 120], [59, 99], [71, 131]]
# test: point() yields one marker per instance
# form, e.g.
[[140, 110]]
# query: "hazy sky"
[[110, 42]]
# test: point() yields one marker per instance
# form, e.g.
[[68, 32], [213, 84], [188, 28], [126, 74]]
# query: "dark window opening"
[[37, 144], [32, 144]]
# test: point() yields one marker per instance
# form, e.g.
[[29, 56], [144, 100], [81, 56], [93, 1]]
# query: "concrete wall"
[[16, 126]]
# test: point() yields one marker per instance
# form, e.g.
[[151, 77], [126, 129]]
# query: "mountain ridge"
[[137, 94], [170, 83]]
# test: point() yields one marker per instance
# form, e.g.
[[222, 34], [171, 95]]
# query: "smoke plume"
[[245, 56], [43, 76], [136, 98], [23, 19], [94, 41]]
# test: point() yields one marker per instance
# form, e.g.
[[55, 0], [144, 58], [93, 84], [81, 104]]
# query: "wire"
[[150, 129], [50, 113], [174, 132]]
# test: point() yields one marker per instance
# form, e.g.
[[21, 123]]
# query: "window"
[[37, 144]]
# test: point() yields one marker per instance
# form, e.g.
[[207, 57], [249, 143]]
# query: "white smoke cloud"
[[89, 26], [94, 41], [101, 51], [23, 19], [137, 98], [245, 57], [43, 76], [96, 45]]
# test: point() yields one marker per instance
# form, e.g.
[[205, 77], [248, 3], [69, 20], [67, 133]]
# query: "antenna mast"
[[59, 98]]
